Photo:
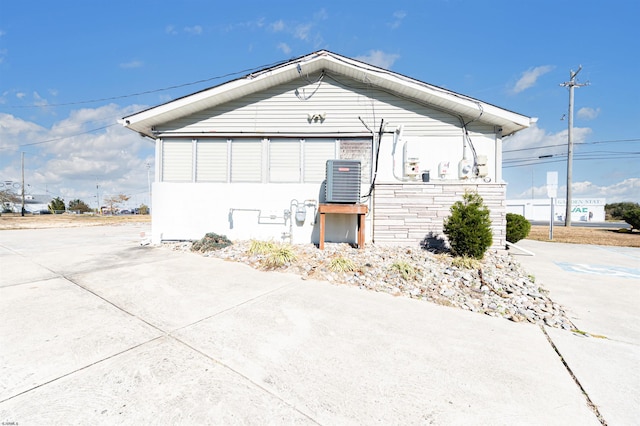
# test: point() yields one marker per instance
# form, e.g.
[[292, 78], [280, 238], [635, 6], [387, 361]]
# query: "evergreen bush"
[[469, 227], [632, 217], [517, 227]]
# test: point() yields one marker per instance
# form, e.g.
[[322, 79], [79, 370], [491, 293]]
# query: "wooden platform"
[[359, 209]]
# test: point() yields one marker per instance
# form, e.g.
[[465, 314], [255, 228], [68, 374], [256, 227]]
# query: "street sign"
[[552, 184]]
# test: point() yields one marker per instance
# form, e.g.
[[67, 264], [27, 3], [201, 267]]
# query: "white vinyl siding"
[[284, 160], [316, 154], [246, 160], [211, 161], [177, 160], [278, 110]]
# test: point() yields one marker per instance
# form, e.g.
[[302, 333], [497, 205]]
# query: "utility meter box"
[[483, 169], [412, 168]]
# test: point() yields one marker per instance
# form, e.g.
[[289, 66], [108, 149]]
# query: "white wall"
[[187, 211], [430, 152], [350, 109], [540, 209]]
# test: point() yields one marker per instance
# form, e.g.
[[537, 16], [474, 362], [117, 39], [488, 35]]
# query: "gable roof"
[[143, 122]]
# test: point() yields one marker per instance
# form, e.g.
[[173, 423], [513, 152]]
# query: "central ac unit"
[[343, 181]]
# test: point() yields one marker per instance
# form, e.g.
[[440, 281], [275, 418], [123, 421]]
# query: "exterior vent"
[[343, 181]]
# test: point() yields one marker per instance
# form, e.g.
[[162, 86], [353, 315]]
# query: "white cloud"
[[72, 163], [587, 113], [533, 142], [132, 64], [302, 31], [277, 26], [171, 30], [530, 77], [398, 17], [284, 47], [194, 30], [39, 100], [379, 58], [321, 15], [21, 95], [625, 190]]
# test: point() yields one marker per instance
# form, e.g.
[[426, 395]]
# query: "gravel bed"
[[497, 286]]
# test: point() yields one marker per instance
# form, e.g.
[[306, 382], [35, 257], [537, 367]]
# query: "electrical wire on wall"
[[318, 82], [377, 157], [467, 139]]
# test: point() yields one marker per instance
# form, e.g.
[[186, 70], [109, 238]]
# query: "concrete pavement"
[[96, 328], [600, 286]]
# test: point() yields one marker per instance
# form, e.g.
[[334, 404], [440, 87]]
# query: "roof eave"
[[145, 121]]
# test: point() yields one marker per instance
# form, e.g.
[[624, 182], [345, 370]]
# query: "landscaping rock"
[[499, 286]]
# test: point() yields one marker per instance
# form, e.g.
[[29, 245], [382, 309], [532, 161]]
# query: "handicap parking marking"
[[609, 270]]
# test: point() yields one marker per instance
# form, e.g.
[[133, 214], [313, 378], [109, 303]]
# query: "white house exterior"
[[247, 158]]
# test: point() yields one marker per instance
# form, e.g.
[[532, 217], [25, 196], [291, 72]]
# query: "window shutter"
[[316, 154], [177, 160], [246, 160], [284, 160], [211, 160]]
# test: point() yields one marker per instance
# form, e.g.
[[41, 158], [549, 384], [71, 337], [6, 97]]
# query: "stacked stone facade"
[[409, 213]]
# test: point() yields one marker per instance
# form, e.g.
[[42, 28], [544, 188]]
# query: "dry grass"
[[576, 235], [15, 221], [579, 235]]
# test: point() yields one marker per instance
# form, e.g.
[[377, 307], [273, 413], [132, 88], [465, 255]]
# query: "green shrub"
[[632, 217], [211, 241], [469, 227], [406, 270], [342, 264], [261, 247], [517, 227], [465, 262], [616, 211], [279, 256]]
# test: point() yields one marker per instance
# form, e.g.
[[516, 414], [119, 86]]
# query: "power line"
[[577, 143], [57, 139], [562, 158], [147, 92]]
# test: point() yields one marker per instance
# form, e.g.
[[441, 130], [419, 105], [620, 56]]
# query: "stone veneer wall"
[[409, 212]]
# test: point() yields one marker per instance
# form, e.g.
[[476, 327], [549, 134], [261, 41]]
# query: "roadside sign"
[[552, 184]]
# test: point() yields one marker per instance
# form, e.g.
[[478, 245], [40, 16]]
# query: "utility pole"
[[571, 84], [22, 210]]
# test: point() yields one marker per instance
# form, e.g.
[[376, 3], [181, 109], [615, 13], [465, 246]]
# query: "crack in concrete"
[[590, 403]]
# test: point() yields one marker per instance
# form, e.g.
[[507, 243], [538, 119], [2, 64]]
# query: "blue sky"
[[70, 69]]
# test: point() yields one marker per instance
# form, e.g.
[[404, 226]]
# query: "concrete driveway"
[[95, 328]]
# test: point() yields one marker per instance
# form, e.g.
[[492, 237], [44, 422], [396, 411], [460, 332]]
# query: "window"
[[177, 160], [316, 154], [246, 160], [358, 149], [284, 160], [211, 160]]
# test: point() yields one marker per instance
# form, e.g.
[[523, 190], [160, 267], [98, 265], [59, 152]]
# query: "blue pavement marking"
[[617, 271]]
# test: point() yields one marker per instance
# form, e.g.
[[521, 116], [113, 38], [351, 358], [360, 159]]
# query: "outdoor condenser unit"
[[343, 181]]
